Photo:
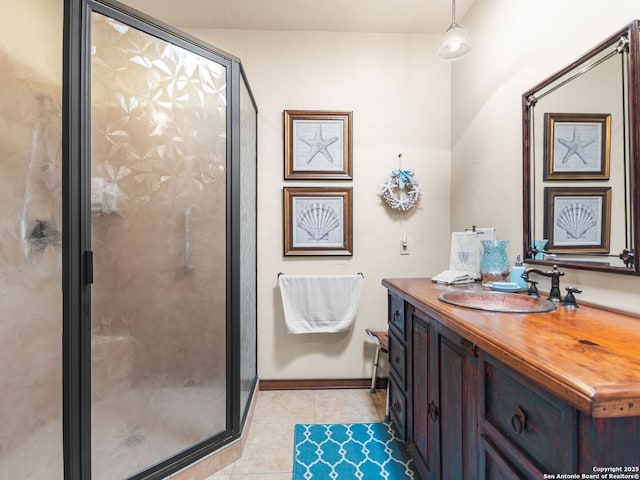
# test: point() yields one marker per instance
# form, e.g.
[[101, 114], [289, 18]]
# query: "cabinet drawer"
[[494, 465], [396, 315], [398, 407], [397, 359], [534, 421]]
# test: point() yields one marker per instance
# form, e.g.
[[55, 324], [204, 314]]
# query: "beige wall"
[[404, 100], [399, 95], [516, 44]]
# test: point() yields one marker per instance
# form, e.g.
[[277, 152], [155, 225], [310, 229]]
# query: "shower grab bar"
[[359, 273], [187, 239]]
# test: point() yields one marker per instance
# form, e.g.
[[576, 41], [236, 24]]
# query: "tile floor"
[[268, 451]]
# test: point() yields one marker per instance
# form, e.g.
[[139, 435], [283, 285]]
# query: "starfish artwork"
[[575, 146], [319, 144]]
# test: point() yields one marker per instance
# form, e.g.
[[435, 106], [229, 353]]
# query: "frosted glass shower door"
[[31, 240], [248, 254], [158, 233]]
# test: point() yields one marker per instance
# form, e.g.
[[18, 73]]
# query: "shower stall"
[[127, 244]]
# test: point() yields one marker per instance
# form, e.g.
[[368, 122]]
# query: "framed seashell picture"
[[318, 221], [577, 219]]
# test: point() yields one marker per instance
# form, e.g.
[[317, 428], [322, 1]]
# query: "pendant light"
[[455, 44]]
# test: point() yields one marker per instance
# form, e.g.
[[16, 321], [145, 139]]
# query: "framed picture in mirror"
[[577, 146], [577, 219], [318, 221], [598, 92], [317, 145]]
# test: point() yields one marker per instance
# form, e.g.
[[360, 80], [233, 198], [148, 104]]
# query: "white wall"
[[516, 44], [399, 95]]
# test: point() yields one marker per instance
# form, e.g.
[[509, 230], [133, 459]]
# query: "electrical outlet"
[[404, 246]]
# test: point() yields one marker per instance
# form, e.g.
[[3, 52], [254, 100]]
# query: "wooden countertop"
[[588, 356]]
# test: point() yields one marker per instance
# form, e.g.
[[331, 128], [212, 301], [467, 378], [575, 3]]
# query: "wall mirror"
[[581, 161]]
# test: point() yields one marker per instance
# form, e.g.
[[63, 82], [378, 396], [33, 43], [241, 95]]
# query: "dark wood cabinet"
[[439, 389], [522, 426], [531, 432], [458, 399], [444, 386], [475, 401], [423, 386], [398, 366]]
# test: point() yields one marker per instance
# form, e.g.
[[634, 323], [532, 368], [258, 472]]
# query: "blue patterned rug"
[[348, 451]]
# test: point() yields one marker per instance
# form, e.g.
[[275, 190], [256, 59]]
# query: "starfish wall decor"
[[576, 146], [317, 145]]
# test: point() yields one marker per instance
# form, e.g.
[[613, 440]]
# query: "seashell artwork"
[[318, 220], [576, 219]]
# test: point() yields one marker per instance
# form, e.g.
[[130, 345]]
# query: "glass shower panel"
[[30, 240], [248, 236], [158, 168]]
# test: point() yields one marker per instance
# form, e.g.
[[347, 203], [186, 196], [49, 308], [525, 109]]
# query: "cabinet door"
[[445, 400], [425, 399], [457, 406]]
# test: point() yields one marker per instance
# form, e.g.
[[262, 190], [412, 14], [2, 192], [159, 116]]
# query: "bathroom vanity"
[[489, 395]]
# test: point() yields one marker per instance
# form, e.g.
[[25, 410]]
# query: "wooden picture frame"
[[318, 221], [318, 145], [577, 220], [577, 146]]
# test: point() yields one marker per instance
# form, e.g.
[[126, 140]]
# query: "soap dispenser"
[[516, 274]]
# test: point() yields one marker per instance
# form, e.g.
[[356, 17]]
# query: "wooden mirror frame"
[[630, 256]]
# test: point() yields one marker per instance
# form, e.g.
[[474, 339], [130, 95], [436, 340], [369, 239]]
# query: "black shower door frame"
[[77, 268]]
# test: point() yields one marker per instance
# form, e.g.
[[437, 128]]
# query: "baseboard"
[[321, 384]]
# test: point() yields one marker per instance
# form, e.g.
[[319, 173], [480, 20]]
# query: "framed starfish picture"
[[577, 146], [317, 145]]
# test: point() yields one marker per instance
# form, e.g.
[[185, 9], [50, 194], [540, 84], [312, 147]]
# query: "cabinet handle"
[[519, 421], [396, 407], [432, 410], [396, 316], [397, 359]]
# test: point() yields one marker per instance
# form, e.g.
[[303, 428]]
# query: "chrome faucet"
[[555, 274]]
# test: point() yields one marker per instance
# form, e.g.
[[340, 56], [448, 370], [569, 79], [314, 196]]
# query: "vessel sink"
[[498, 302]]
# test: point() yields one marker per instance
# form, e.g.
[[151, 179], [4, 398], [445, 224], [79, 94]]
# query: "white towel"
[[465, 253], [466, 250], [321, 303]]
